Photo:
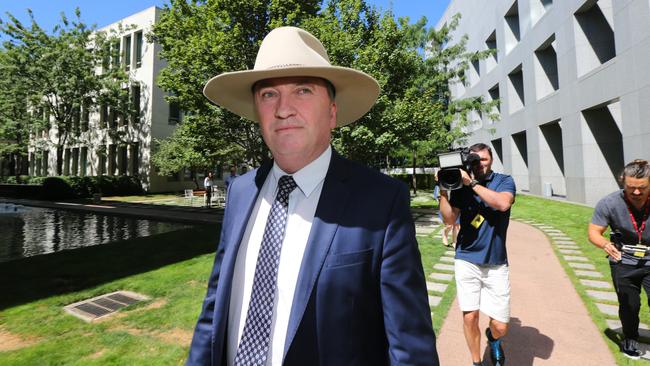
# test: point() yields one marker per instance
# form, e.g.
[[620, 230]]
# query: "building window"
[[83, 161], [44, 166], [127, 52], [115, 53], [135, 103], [491, 44], [512, 32], [75, 161], [538, 8], [122, 160], [493, 94], [103, 115], [66, 161], [106, 59], [101, 158], [135, 159], [546, 73], [174, 113], [594, 35], [85, 115], [516, 97], [138, 49], [112, 157]]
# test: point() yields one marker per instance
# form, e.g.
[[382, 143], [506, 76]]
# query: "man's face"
[[484, 167], [296, 116], [637, 190]]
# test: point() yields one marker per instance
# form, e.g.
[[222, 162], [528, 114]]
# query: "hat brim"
[[356, 92]]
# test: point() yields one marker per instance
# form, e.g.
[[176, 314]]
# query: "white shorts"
[[485, 288]]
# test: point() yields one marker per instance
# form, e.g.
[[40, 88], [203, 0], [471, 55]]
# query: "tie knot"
[[286, 185]]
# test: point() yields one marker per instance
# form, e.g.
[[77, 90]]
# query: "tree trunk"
[[414, 179], [17, 167]]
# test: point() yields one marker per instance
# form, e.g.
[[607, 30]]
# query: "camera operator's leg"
[[445, 235], [454, 234], [495, 302], [468, 289], [627, 282]]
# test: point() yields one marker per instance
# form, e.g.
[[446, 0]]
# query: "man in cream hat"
[[317, 262]]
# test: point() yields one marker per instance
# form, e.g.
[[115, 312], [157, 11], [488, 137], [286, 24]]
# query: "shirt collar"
[[310, 175]]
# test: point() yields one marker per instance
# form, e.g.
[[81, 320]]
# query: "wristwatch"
[[473, 183]]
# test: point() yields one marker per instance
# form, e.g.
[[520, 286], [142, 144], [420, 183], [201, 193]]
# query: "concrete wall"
[[574, 85]]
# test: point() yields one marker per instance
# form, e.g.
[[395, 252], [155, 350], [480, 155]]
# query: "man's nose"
[[285, 107]]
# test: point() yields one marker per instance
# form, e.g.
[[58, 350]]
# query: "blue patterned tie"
[[254, 344]]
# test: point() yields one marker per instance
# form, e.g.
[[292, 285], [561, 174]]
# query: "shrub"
[[57, 188]]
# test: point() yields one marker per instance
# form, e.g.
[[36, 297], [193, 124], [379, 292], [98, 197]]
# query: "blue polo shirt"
[[482, 239]]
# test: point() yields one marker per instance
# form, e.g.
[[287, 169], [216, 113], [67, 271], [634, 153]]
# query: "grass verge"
[[573, 220]]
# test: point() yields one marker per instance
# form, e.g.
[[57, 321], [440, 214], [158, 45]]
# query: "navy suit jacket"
[[361, 296]]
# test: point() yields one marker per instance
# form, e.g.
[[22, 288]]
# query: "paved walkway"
[[549, 322]]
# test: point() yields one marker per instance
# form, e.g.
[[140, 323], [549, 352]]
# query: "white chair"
[[218, 197], [189, 194]]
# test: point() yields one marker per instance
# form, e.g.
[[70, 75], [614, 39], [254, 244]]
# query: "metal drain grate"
[[104, 305]]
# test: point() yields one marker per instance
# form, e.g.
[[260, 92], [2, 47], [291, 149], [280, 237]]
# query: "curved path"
[[549, 322]]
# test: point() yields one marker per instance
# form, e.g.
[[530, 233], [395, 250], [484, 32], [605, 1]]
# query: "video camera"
[[449, 176]]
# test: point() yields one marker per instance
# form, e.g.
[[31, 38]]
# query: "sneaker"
[[496, 351], [630, 349], [477, 363]]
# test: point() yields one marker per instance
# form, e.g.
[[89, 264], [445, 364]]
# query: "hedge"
[[70, 187]]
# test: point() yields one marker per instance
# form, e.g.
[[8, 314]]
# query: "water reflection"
[[32, 231]]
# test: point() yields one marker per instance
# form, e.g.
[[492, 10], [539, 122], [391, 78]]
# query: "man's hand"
[[467, 179], [612, 251]]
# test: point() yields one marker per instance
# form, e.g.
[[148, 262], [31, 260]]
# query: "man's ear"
[[333, 115]]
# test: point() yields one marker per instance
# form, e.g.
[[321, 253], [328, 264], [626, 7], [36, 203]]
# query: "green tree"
[[414, 115], [16, 121], [61, 74], [200, 39]]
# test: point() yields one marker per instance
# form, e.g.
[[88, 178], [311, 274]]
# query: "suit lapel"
[[234, 229], [334, 192]]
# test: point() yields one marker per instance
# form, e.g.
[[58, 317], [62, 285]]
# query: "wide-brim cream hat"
[[291, 51]]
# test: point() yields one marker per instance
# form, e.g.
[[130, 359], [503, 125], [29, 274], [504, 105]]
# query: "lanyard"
[[639, 231]]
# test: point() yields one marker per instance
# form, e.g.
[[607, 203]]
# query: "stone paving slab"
[[582, 265], [556, 234], [447, 259], [441, 276], [592, 274], [602, 295], [434, 300], [437, 287], [569, 251], [562, 238], [564, 242], [450, 252], [615, 325], [607, 309], [567, 246], [552, 230], [443, 267], [595, 284], [573, 258]]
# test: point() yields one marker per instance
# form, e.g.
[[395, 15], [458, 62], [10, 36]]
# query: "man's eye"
[[304, 91], [267, 94]]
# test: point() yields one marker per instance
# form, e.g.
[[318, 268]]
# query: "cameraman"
[[481, 264], [626, 213]]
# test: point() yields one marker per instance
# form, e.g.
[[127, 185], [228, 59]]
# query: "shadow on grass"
[[29, 279]]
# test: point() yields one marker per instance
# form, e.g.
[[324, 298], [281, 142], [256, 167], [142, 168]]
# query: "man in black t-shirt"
[[626, 213]]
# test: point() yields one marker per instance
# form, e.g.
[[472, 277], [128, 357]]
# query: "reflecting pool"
[[27, 231]]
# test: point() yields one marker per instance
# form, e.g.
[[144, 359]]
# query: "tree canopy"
[[413, 115]]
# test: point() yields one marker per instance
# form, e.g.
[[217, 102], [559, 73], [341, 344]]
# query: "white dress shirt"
[[302, 207]]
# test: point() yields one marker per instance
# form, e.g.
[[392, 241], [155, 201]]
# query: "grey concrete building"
[[573, 81]]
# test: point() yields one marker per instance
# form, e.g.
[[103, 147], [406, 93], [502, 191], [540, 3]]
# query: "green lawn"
[[158, 331]]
